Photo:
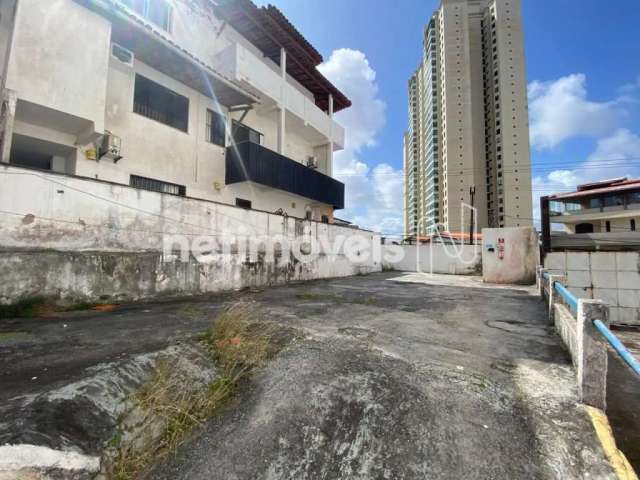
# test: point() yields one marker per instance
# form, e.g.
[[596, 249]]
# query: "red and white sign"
[[501, 248]]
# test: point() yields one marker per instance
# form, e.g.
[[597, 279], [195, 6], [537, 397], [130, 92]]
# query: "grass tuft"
[[9, 336], [41, 306], [311, 296], [29, 307], [239, 341]]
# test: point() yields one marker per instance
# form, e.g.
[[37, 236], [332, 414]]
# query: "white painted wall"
[[613, 277], [45, 210], [520, 258], [433, 258], [67, 81], [59, 59]]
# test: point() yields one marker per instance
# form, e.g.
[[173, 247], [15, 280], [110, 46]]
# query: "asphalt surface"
[[397, 376], [40, 354]]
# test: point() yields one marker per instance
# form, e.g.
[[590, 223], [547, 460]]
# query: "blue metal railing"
[[568, 297], [618, 346], [614, 341]]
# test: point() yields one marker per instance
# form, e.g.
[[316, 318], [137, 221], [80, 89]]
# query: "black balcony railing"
[[250, 162]]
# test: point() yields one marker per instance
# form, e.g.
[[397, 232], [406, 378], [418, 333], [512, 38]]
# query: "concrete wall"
[[77, 238], [566, 325], [53, 65], [613, 277], [517, 262], [7, 8], [447, 259], [102, 276]]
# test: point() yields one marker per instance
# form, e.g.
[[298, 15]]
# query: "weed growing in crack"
[[239, 341]]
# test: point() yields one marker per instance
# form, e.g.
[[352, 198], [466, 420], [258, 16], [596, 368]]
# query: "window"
[[138, 6], [608, 226], [159, 12], [158, 103], [242, 203], [325, 219], [243, 133], [157, 185], [633, 197], [613, 200], [156, 11], [595, 202], [632, 224], [216, 128]]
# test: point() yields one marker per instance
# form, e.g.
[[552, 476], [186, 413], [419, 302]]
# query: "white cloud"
[[623, 144], [559, 110], [614, 156], [373, 196], [629, 92]]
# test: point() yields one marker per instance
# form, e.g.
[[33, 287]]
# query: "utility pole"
[[472, 194]]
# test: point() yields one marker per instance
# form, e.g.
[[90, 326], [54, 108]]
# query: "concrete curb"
[[618, 461], [34, 461]]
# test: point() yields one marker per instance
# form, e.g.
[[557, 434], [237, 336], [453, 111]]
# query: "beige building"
[[609, 206], [214, 100], [468, 121]]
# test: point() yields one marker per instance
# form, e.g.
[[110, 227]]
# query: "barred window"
[[157, 185], [216, 128], [158, 103]]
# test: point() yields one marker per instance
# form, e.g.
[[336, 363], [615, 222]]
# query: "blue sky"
[[583, 68]]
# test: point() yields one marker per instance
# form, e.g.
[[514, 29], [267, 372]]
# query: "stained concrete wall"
[[78, 238], [117, 276], [517, 262], [447, 259], [613, 277]]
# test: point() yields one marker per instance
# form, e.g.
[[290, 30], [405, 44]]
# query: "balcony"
[[595, 208], [254, 74], [250, 162]]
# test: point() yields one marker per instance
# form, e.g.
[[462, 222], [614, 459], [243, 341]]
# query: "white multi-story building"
[[215, 100], [472, 121]]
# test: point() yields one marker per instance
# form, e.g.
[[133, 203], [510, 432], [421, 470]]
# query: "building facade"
[[214, 100], [472, 121], [604, 215]]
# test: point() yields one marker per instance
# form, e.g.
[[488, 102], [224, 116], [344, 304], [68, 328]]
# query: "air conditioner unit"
[[312, 162], [122, 54], [110, 147]]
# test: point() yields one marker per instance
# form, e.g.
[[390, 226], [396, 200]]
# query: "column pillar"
[[330, 147], [540, 281], [552, 296], [8, 100], [281, 107], [592, 354]]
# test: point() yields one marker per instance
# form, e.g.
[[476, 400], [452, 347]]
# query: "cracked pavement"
[[396, 376]]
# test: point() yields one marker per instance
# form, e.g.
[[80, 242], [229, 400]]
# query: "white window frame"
[[145, 14]]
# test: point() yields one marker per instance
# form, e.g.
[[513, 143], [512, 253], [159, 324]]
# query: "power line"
[[592, 165]]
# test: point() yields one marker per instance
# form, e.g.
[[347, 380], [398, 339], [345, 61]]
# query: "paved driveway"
[[403, 376], [397, 376]]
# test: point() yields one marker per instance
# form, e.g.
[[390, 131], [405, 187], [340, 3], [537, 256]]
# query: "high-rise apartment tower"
[[468, 136]]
